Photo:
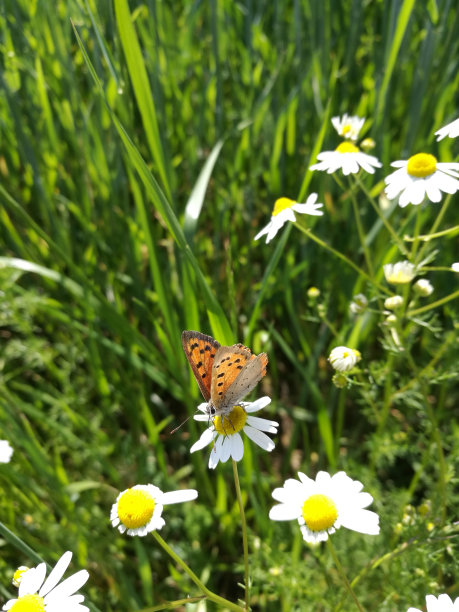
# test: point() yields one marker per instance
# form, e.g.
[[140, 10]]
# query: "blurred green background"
[[128, 211]]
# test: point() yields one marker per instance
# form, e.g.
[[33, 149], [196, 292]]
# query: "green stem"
[[350, 263], [343, 575], [436, 224], [244, 535], [380, 214], [361, 233], [221, 601], [443, 300], [417, 228], [173, 605]]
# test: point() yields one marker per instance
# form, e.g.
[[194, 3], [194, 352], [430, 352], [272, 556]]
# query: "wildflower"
[[348, 158], [455, 266], [137, 511], [313, 293], [36, 594], [325, 504], [393, 302], [451, 130], [399, 273], [421, 176], [340, 380], [343, 358], [367, 144], [224, 431], [442, 604], [348, 127], [283, 212], [6, 451], [423, 287], [358, 304], [19, 575]]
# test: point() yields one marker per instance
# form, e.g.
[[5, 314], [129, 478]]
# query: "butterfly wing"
[[200, 350], [235, 373]]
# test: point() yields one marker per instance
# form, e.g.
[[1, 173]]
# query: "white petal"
[[237, 447], [56, 574], [32, 580], [284, 512], [201, 417], [206, 438], [176, 497], [9, 604], [214, 456], [264, 231], [69, 586], [257, 404], [262, 424], [259, 438], [363, 521]]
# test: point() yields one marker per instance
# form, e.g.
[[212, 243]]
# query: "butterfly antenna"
[[182, 423]]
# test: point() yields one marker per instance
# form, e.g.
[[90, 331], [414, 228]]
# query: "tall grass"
[[143, 146]]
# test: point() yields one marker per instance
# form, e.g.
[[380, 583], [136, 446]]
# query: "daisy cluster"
[[419, 177]]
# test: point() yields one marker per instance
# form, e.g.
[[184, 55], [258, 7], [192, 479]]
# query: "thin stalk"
[[436, 224], [244, 535], [221, 601], [417, 228], [173, 605], [350, 263], [443, 300], [361, 233], [343, 575]]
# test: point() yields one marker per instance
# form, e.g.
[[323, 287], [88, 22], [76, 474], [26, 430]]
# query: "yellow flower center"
[[319, 512], [232, 422], [347, 147], [135, 508], [345, 129], [281, 204], [19, 574], [28, 603], [421, 164]]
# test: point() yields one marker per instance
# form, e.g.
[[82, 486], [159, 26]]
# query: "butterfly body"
[[225, 374]]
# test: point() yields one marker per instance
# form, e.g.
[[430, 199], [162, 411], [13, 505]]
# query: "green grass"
[[140, 156]]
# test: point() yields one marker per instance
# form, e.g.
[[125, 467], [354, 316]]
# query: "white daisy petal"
[[237, 447], [451, 130], [68, 587], [32, 580], [262, 424], [257, 404], [284, 211], [214, 456], [177, 497], [284, 512], [56, 574], [364, 521], [259, 438], [206, 438]]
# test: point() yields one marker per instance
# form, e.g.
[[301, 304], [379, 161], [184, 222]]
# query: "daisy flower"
[[348, 158], [343, 358], [358, 304], [283, 212], [444, 603], [137, 511], [347, 126], [423, 287], [393, 302], [6, 451], [224, 431], [323, 505], [39, 595], [421, 176], [451, 130], [455, 266], [399, 273], [19, 575]]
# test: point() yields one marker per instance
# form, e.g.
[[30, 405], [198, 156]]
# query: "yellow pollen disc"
[[19, 574], [347, 147], [135, 508], [319, 512], [28, 603], [232, 422], [346, 128], [281, 204], [421, 164]]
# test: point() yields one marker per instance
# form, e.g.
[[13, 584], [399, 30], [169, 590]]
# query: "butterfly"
[[225, 374]]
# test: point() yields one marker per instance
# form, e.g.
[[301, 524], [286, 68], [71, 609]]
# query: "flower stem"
[[221, 601], [443, 300], [343, 575], [244, 535]]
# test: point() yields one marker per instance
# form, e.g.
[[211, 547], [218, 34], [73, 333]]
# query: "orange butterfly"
[[225, 374]]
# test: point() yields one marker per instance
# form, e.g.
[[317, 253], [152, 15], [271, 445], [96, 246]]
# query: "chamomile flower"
[[19, 575], [444, 603], [284, 211], [6, 451], [343, 358], [224, 431], [393, 302], [455, 266], [348, 158], [348, 127], [451, 130], [358, 304], [419, 177], [325, 504], [36, 594], [137, 511], [423, 287], [399, 273]]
